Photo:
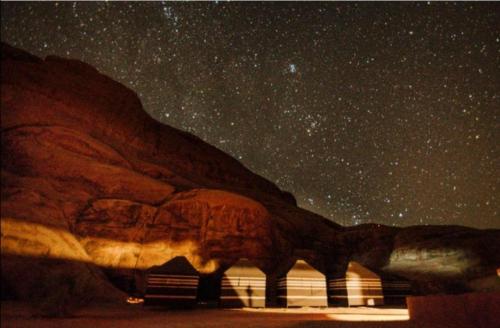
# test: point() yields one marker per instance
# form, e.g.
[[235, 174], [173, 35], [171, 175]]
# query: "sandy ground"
[[136, 316]]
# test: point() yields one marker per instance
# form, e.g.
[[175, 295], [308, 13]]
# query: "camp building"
[[243, 285], [302, 286], [174, 283], [359, 287]]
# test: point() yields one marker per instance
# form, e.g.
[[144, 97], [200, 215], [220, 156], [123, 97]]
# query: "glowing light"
[[33, 239], [343, 314], [135, 300], [37, 240], [369, 317], [444, 261]]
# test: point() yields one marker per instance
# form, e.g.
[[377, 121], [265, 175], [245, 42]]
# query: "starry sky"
[[366, 112]]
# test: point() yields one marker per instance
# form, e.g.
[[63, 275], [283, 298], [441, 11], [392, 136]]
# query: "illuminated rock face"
[[435, 259], [89, 177], [200, 224]]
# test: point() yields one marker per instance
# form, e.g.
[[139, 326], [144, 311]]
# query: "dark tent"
[[396, 291], [243, 285], [302, 286], [174, 283]]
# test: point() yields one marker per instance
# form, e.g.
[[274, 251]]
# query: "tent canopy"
[[302, 269], [174, 283], [243, 284], [303, 285], [244, 268], [359, 287], [357, 271], [179, 265]]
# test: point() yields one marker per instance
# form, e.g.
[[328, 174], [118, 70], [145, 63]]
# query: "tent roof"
[[179, 265], [356, 270], [244, 268], [301, 269]]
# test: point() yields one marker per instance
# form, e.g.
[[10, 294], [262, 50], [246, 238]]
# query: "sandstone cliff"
[[91, 182]]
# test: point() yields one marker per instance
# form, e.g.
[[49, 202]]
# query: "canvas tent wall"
[[359, 287], [243, 285], [174, 283], [302, 286]]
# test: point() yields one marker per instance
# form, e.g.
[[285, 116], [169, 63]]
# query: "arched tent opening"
[[243, 285], [174, 284], [303, 285], [359, 287]]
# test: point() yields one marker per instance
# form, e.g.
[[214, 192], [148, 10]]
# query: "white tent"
[[243, 285], [303, 285], [359, 287]]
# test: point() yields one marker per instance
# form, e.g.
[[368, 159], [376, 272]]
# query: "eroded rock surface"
[[88, 177]]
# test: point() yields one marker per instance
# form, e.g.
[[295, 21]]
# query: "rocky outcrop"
[[436, 259], [203, 224], [88, 178]]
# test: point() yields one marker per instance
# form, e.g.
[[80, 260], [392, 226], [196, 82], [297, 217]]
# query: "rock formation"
[[92, 184]]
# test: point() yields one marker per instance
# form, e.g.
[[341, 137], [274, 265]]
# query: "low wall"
[[472, 310]]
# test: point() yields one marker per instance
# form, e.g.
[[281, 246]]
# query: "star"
[[359, 110]]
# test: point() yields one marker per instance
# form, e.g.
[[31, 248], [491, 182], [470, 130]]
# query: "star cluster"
[[366, 112]]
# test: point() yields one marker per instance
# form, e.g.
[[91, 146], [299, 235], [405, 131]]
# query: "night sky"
[[366, 112]]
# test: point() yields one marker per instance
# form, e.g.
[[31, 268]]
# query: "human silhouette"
[[249, 294]]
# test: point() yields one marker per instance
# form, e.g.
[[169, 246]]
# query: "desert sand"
[[14, 314]]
